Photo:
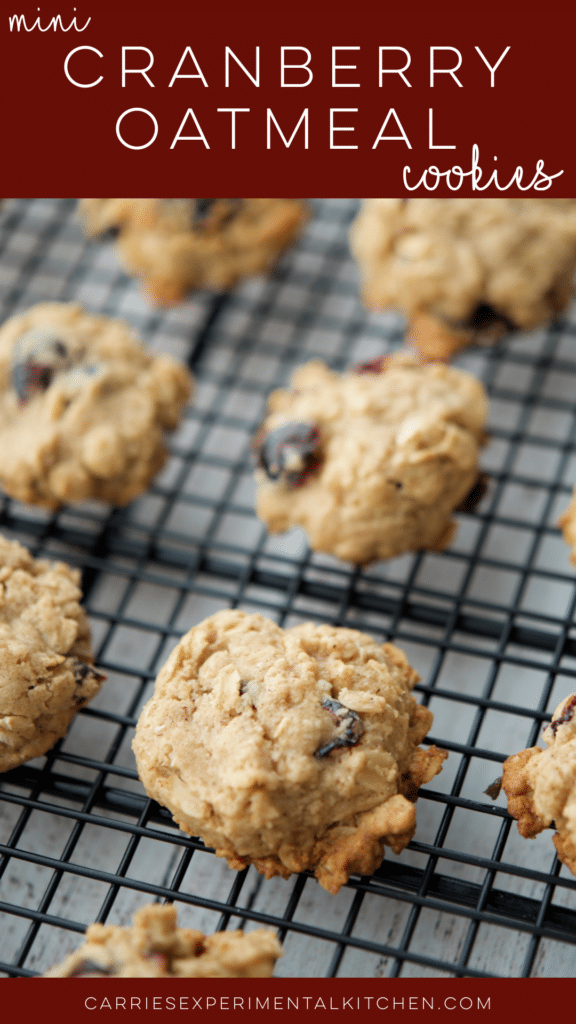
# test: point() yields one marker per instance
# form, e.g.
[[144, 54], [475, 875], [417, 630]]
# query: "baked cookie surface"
[[83, 407], [370, 463], [177, 245], [287, 749], [541, 784], [567, 524], [466, 269], [154, 947], [46, 672]]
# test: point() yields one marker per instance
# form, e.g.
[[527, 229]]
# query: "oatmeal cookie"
[[541, 784], [287, 749], [177, 245], [46, 671], [155, 948], [83, 407], [466, 270], [373, 462]]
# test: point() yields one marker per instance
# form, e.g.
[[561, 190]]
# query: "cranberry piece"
[[377, 365], [290, 452], [160, 960], [352, 731], [202, 208], [566, 716], [485, 318], [204, 215], [83, 671], [474, 496], [29, 377], [38, 356]]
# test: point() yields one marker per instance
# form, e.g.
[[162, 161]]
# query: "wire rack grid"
[[488, 624]]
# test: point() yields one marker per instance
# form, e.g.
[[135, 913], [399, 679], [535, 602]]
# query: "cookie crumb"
[[154, 947], [494, 789]]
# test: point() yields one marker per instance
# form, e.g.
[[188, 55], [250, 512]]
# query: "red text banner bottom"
[[143, 999]]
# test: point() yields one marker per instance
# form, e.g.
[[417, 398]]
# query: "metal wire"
[[488, 624]]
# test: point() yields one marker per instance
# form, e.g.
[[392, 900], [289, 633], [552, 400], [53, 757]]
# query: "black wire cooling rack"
[[487, 623]]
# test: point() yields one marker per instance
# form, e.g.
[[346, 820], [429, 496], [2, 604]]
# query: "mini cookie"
[[155, 948], [177, 245], [46, 672], [83, 407], [541, 784], [466, 270], [373, 462], [567, 524], [287, 749]]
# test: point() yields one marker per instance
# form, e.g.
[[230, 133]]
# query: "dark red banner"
[[281, 999], [152, 99]]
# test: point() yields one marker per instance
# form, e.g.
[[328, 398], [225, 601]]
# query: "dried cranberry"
[[566, 716], [29, 377], [475, 495], [160, 960], [38, 355], [290, 452], [83, 671], [204, 208], [485, 318], [352, 731], [377, 365]]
